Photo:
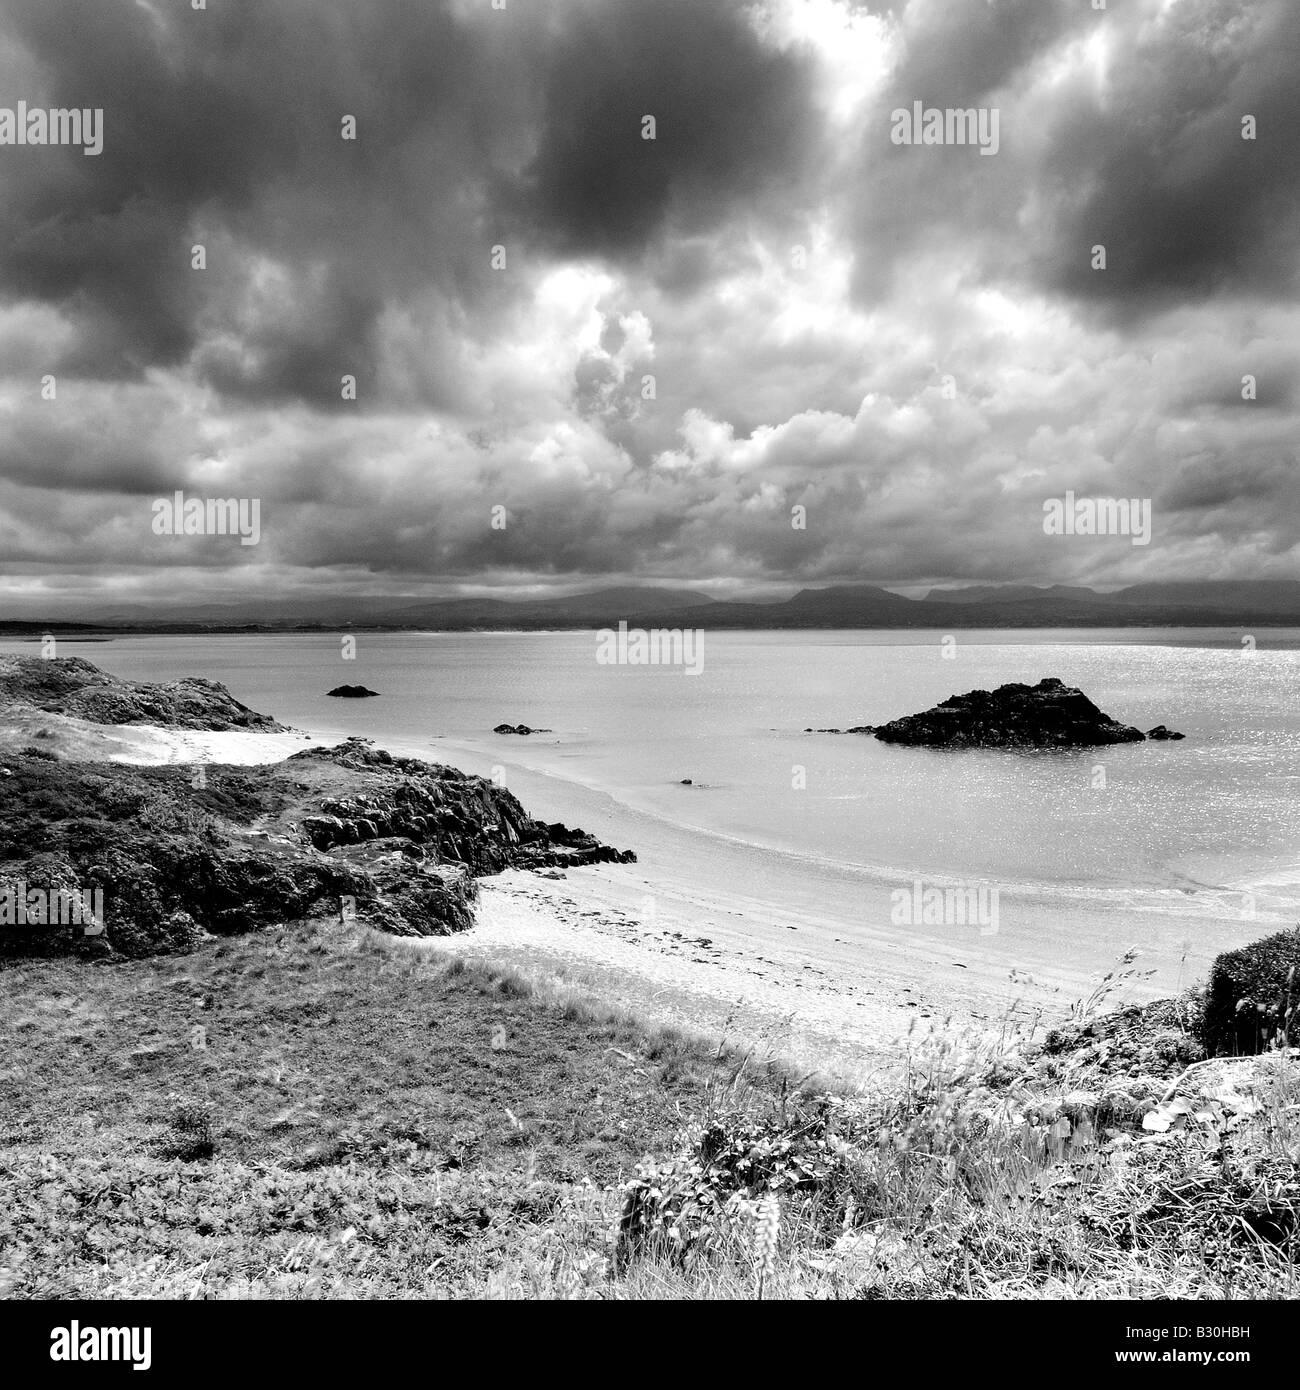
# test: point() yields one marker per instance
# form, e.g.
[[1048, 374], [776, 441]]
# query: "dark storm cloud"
[[68, 453], [225, 125], [1136, 147], [121, 272], [1159, 173], [732, 116], [498, 126], [816, 380], [1218, 481], [910, 198]]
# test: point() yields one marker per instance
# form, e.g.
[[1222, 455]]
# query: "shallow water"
[[1183, 844]]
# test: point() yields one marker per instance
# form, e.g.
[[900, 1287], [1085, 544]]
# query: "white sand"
[[783, 986], [149, 746]]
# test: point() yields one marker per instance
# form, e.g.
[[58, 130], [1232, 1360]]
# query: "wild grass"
[[324, 1113], [215, 1124]]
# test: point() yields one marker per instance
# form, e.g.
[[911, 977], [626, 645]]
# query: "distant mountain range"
[[1207, 603]]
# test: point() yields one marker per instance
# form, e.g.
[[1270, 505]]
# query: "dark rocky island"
[[1050, 714], [351, 692], [398, 842], [518, 729]]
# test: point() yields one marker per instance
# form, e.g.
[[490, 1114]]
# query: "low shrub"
[[1252, 996], [190, 1136]]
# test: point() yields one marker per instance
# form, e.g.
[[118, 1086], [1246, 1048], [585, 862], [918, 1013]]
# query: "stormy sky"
[[639, 356]]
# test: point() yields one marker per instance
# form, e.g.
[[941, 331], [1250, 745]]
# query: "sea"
[[1176, 849]]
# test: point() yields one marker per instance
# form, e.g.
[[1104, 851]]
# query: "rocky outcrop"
[[69, 685], [444, 812], [172, 862], [518, 729], [396, 842], [1050, 714], [1160, 732], [351, 692]]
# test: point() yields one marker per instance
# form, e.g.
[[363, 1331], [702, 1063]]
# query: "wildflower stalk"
[[767, 1227]]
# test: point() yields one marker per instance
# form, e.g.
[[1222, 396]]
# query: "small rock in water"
[[351, 692], [1161, 732], [686, 782]]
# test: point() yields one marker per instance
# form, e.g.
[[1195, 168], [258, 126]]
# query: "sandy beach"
[[779, 986], [648, 935], [712, 935]]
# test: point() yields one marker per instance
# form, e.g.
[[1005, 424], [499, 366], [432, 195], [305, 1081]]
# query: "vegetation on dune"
[[317, 1112], [358, 1116], [77, 688], [979, 1175]]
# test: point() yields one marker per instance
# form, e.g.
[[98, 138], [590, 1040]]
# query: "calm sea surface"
[[1205, 828]]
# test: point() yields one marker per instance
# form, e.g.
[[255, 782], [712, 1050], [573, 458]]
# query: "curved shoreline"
[[794, 944]]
